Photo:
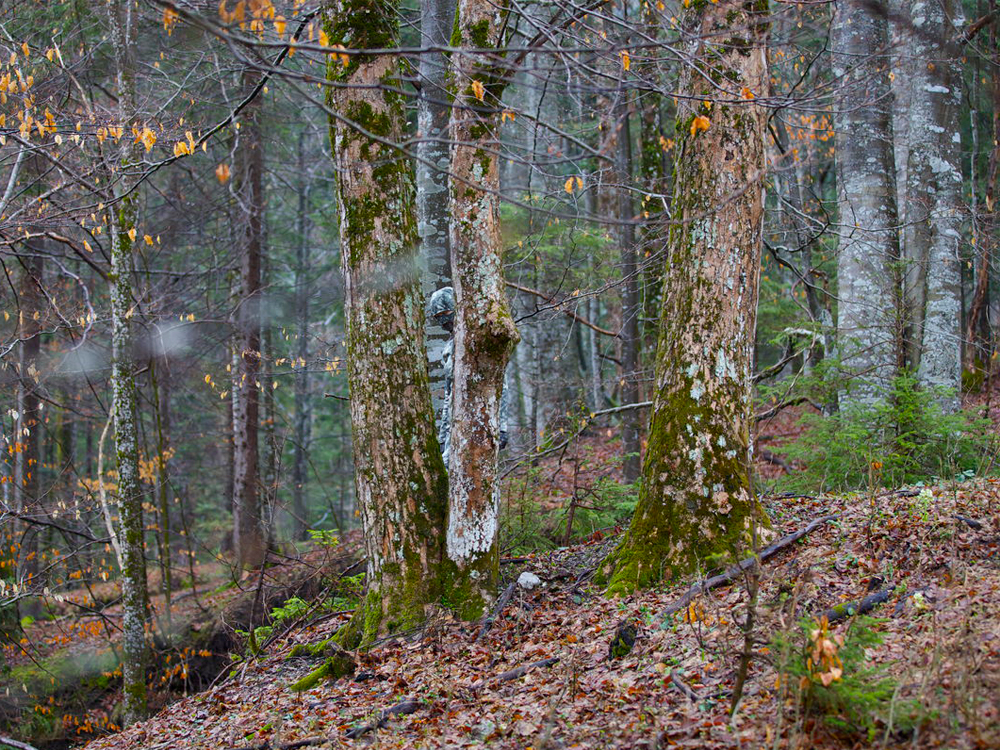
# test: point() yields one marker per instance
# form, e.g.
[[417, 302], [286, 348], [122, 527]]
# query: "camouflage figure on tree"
[[442, 309]]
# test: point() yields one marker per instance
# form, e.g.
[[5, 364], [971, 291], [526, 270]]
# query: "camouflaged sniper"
[[442, 309]]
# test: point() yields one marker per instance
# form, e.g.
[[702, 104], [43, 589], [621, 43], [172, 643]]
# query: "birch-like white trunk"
[[932, 75], [485, 333], [432, 164], [868, 251]]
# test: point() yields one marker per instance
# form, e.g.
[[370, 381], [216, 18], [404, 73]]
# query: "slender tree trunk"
[[484, 329], [695, 498], [122, 216], [400, 476], [432, 164], [868, 273], [303, 412], [630, 282], [28, 433], [249, 534], [977, 351]]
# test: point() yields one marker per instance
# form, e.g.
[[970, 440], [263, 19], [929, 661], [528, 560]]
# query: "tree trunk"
[[696, 499], [630, 283], [400, 476], [249, 536], [485, 333], [978, 344], [869, 325], [432, 164], [28, 429], [303, 413], [933, 196], [121, 222]]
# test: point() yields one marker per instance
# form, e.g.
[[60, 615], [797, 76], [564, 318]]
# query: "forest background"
[[808, 186]]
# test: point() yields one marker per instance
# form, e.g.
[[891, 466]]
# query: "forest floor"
[[936, 561]]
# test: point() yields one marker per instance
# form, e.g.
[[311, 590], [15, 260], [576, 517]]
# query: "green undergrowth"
[[531, 522], [345, 596], [830, 675], [904, 438]]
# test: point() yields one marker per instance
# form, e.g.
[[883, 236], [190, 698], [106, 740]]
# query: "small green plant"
[[292, 609], [906, 435], [324, 538], [830, 675]]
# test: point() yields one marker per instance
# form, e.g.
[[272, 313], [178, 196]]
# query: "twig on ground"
[[707, 584], [15, 743], [689, 692], [497, 610]]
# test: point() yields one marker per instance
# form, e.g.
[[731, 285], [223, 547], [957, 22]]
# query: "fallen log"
[[403, 708], [513, 674], [730, 574], [849, 609]]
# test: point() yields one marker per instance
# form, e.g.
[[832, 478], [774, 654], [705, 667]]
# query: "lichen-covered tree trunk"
[[869, 288], [484, 328], [933, 190], [121, 229], [432, 164], [400, 476], [249, 534], [696, 500]]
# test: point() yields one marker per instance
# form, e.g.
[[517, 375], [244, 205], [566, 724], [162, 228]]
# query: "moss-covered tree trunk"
[[400, 476], [122, 215], [696, 499], [484, 329]]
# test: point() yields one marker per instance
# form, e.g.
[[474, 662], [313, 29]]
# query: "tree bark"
[[432, 164], [249, 534], [28, 425], [400, 477], [978, 345], [303, 412], [869, 325], [485, 333], [933, 196], [696, 499], [122, 216], [630, 279]]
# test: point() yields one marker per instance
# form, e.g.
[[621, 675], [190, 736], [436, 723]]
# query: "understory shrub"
[[902, 439], [831, 676]]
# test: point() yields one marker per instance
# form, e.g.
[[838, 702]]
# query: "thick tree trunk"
[[122, 216], [249, 534], [484, 329], [869, 325], [432, 164], [696, 499], [400, 476], [933, 195]]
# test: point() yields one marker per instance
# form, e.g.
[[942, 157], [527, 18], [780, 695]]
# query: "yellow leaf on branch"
[[700, 123], [478, 90]]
